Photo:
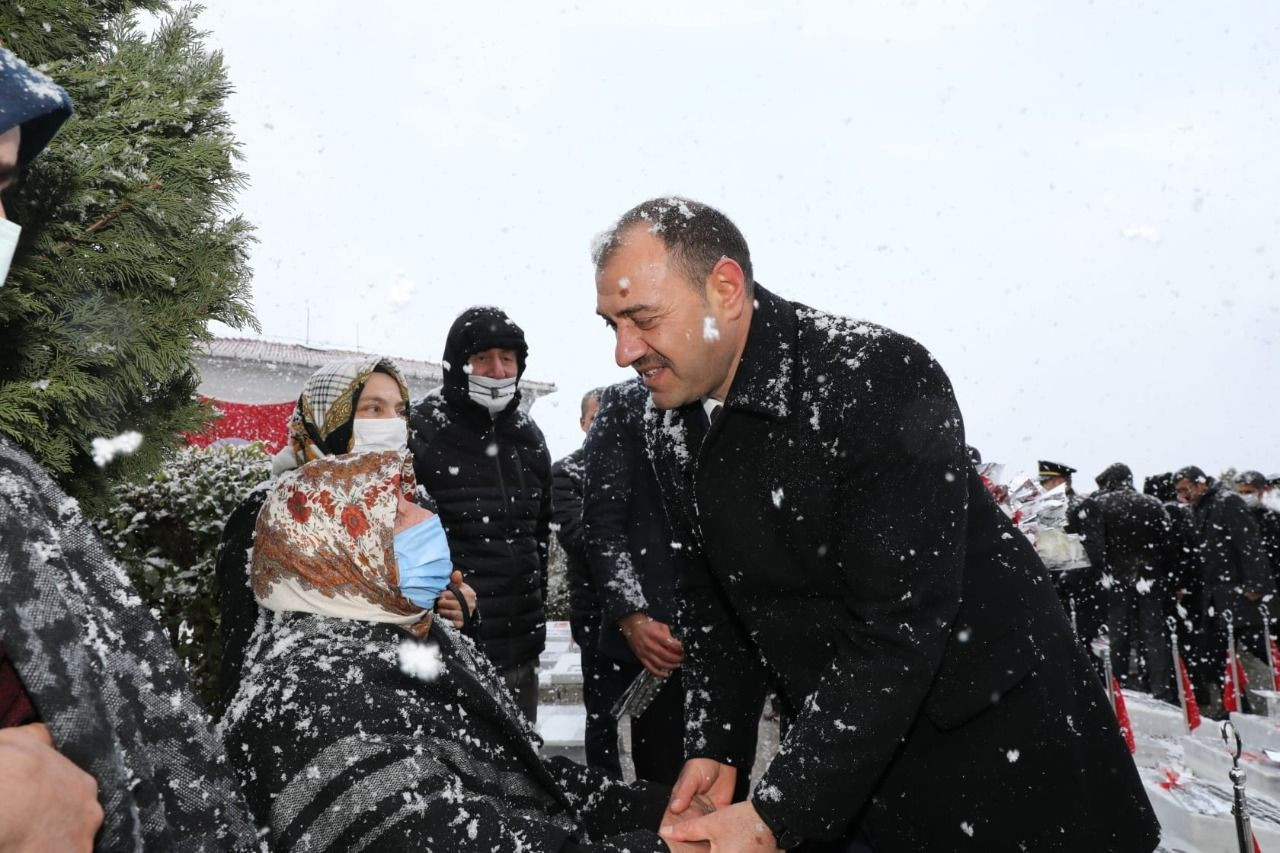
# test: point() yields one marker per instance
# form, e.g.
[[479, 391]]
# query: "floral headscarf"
[[323, 542], [321, 423]]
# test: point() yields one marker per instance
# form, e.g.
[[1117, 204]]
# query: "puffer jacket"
[[491, 480]]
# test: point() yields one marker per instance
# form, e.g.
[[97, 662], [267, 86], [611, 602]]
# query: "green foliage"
[[165, 531], [129, 246]]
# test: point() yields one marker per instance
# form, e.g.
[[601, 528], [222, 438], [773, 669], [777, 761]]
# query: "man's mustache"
[[649, 363]]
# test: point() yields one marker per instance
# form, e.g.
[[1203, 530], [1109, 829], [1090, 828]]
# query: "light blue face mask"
[[422, 553]]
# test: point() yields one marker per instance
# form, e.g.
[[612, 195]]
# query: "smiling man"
[[846, 556]]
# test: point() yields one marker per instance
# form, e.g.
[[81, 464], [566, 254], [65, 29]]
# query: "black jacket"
[[1128, 535], [566, 517], [628, 539], [1269, 535], [1231, 556], [491, 479], [852, 557]]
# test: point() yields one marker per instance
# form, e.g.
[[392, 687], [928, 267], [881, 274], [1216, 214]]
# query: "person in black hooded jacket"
[[486, 464]]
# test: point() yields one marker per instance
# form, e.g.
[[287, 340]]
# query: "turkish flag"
[[1234, 685], [1122, 716], [1191, 710]]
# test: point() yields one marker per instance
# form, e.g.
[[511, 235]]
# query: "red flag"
[[1275, 656], [1192, 710], [1234, 685], [1257, 848], [1122, 716]]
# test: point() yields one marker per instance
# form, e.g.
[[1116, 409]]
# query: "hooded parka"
[[491, 479]]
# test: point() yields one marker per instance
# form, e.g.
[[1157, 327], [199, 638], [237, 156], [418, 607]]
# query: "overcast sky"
[[1075, 208]]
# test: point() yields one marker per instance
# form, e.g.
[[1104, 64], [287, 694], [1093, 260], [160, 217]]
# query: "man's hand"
[[1253, 596], [652, 643], [704, 786], [408, 514], [447, 606], [729, 830], [49, 804]]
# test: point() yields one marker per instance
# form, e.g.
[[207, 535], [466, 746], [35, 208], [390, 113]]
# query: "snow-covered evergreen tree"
[[130, 245]]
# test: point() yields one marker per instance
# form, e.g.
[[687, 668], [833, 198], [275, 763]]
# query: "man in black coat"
[[848, 555], [1129, 540], [1252, 487], [598, 676], [1236, 574], [635, 567], [486, 464]]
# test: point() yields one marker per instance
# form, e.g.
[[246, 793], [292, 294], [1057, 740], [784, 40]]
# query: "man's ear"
[[727, 288]]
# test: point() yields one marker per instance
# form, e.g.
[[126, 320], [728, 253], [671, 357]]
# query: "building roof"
[[276, 352]]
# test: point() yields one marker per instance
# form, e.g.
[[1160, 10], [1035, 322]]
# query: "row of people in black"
[[1192, 559]]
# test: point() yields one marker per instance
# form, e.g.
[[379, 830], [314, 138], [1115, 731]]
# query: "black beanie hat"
[[31, 100]]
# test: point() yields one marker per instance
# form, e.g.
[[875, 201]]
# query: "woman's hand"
[[447, 606]]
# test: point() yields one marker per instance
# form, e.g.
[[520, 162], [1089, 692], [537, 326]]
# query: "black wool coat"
[[491, 480], [1128, 535], [1231, 557], [566, 519], [850, 555], [628, 539]]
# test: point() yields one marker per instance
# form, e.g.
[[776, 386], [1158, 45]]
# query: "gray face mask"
[[494, 394], [9, 232]]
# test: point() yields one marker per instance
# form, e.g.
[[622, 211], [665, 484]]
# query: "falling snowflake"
[[106, 449], [420, 660]]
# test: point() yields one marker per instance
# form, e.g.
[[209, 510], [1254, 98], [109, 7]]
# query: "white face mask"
[[494, 394], [374, 434], [9, 232], [1250, 500]]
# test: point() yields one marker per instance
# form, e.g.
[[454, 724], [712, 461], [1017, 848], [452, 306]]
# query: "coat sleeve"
[[1092, 527], [237, 608], [613, 449], [611, 814], [902, 509], [566, 505]]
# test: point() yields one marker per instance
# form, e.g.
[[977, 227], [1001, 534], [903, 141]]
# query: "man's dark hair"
[[593, 394], [1161, 487], [1116, 476], [1252, 478], [696, 235], [1193, 473]]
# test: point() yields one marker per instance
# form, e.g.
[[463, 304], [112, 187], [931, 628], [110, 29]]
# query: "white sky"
[[1075, 208]]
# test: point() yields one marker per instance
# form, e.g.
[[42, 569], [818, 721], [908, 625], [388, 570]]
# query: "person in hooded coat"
[[1129, 540], [333, 416], [102, 743], [486, 464], [362, 723]]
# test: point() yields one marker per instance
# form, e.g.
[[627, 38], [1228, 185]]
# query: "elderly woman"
[[362, 723], [350, 406]]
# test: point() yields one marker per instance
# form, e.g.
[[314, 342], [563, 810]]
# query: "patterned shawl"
[[321, 422], [323, 541], [103, 677]]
